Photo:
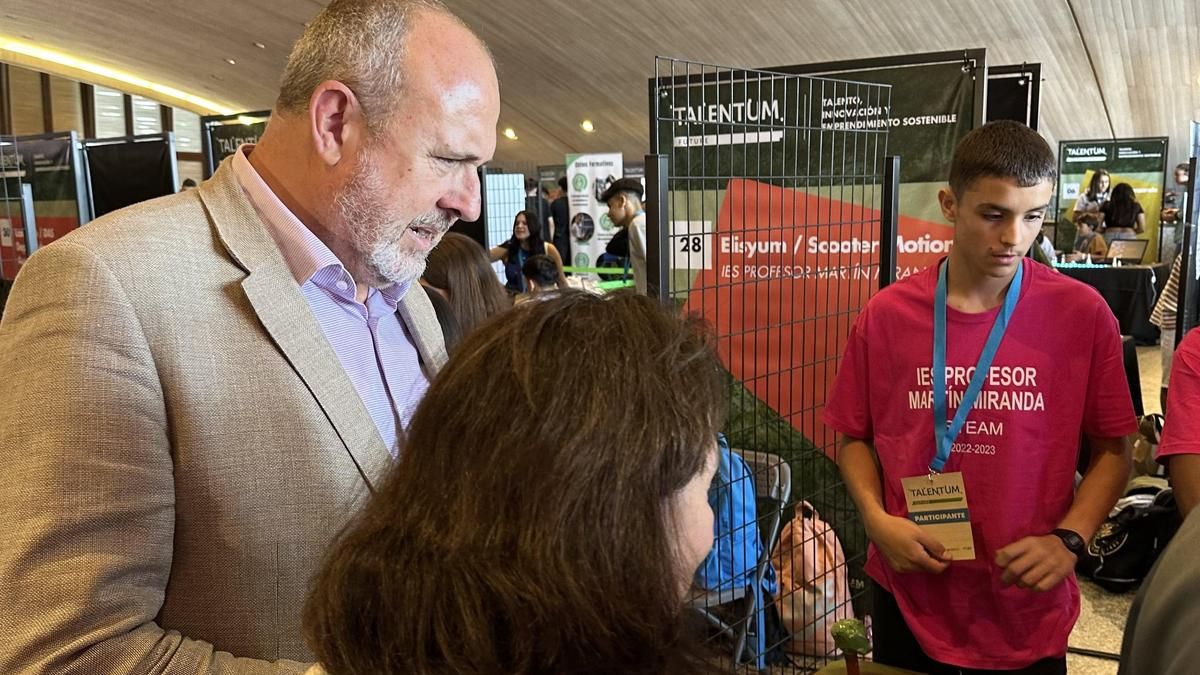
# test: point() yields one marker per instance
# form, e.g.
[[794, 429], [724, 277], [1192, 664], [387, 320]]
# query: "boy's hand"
[[1036, 563], [906, 546]]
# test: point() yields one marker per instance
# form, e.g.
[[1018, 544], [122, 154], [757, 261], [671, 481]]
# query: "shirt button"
[[342, 285]]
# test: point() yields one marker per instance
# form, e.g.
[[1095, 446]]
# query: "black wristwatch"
[[1071, 539]]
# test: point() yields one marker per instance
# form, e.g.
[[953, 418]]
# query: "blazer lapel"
[[285, 315], [418, 315]]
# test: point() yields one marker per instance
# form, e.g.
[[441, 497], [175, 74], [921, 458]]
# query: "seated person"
[[541, 278], [526, 242], [538, 522], [1088, 242]]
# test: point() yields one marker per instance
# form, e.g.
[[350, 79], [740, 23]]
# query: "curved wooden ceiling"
[[562, 62]]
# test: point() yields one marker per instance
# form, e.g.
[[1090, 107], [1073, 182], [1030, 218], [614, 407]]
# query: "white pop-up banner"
[[588, 176]]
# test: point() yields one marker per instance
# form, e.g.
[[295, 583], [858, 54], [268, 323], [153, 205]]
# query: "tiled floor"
[[1100, 627]]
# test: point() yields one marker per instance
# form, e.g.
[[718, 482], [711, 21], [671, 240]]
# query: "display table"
[[1130, 292]]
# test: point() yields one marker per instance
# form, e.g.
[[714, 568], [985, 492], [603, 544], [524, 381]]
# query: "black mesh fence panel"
[[774, 195]]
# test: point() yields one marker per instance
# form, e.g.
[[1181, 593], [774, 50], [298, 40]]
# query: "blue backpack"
[[737, 544]]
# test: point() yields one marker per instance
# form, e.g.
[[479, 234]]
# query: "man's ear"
[[335, 120], [949, 203]]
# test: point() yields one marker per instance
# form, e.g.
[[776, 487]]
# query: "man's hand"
[[1036, 563], [906, 546]]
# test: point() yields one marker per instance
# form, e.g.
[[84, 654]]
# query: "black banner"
[[222, 134], [1014, 93], [129, 172]]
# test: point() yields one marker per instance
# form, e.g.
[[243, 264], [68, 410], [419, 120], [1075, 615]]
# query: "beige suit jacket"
[[179, 445]]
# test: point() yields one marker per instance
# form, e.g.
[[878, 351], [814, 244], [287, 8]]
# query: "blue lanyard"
[[943, 435]]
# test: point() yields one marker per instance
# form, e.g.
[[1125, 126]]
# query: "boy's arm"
[[1041, 562], [907, 547]]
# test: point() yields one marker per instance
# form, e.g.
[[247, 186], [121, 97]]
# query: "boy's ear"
[[949, 203]]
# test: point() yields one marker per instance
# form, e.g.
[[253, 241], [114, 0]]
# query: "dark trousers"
[[896, 646]]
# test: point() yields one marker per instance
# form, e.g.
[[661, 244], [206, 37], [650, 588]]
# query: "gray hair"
[[360, 43]]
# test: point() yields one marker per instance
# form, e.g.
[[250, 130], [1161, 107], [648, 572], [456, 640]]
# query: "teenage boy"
[[975, 531]]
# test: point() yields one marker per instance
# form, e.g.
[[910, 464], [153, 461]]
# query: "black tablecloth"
[[1132, 374], [1130, 292]]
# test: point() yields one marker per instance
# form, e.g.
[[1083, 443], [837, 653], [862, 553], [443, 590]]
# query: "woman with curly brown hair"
[[537, 523]]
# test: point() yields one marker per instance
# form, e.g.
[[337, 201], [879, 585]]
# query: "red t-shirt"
[[1181, 433], [1058, 370]]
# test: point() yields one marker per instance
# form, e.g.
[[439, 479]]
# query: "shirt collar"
[[304, 253]]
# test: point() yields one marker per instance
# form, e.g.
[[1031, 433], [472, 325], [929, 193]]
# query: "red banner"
[[790, 271]]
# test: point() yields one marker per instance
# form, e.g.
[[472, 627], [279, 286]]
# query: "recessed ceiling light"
[[231, 62], [260, 45], [510, 134], [587, 126]]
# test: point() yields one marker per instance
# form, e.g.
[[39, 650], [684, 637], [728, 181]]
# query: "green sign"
[[1140, 162]]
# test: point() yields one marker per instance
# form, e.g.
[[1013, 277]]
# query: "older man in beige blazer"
[[181, 434]]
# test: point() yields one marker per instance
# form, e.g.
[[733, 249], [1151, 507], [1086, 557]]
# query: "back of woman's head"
[[459, 266], [1123, 194], [526, 527]]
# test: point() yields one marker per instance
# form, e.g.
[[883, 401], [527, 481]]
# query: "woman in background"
[[458, 270], [1122, 216], [526, 242], [536, 522], [1087, 206]]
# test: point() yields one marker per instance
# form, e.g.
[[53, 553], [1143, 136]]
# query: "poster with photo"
[[588, 176]]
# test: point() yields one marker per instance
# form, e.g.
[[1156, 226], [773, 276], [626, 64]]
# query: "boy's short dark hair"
[[541, 270], [562, 183], [1002, 149]]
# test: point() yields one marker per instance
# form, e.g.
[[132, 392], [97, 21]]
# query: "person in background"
[[1160, 633], [560, 213], [204, 388], [1164, 316], [624, 199], [541, 278], [1047, 246], [1087, 205], [1179, 448], [1088, 243], [526, 242], [458, 271], [187, 184], [1028, 360], [546, 521], [536, 203], [1122, 217], [1175, 203]]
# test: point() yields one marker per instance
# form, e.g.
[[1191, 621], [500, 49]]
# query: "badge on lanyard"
[[937, 501]]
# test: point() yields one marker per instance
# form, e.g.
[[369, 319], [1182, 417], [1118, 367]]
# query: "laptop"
[[1128, 251]]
